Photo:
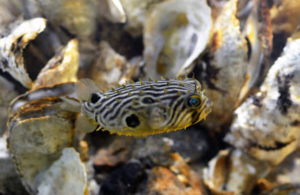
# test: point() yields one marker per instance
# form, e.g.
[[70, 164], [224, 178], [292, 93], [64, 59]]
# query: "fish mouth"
[[277, 146]]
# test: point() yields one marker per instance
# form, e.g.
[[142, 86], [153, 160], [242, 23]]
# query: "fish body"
[[148, 107]]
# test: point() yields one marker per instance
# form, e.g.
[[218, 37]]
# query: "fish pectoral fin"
[[85, 125]]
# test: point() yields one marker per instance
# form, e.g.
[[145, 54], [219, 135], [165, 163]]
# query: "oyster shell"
[[234, 171], [11, 48], [67, 175], [37, 134], [55, 91], [39, 128], [112, 10], [287, 172], [258, 31], [285, 17], [7, 14], [7, 93], [42, 133], [63, 67], [267, 124], [111, 68], [175, 33], [224, 74], [76, 17], [8, 175], [136, 12]]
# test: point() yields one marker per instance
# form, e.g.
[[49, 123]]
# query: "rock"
[[163, 181], [117, 153], [123, 180], [67, 175]]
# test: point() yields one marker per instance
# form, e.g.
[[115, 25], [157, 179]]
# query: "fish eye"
[[94, 98], [148, 100], [132, 121], [193, 101]]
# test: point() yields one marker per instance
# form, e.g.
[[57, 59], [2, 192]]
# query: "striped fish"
[[148, 107]]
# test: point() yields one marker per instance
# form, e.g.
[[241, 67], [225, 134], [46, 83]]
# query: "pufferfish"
[[145, 107]]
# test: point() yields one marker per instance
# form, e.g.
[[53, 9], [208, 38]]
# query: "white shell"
[[271, 117], [67, 175], [110, 67], [77, 17], [112, 10], [63, 67], [175, 33], [255, 64], [136, 15], [234, 171], [226, 71], [11, 49]]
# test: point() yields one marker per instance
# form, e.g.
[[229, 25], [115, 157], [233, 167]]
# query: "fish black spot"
[[284, 101], [148, 100], [94, 98], [132, 121]]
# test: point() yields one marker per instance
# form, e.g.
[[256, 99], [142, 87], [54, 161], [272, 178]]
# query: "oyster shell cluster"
[[245, 53]]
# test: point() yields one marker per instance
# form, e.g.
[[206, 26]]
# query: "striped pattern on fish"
[[148, 107]]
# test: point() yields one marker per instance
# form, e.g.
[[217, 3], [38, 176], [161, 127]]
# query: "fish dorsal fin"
[[84, 89]]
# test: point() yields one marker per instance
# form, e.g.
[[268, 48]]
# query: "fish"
[[146, 107]]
